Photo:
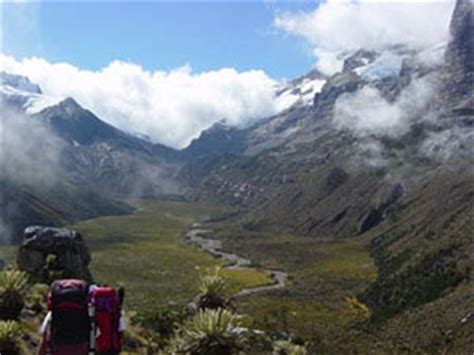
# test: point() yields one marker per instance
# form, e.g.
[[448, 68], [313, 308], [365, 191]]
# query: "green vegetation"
[[36, 298], [212, 289], [370, 293], [210, 332], [287, 347], [323, 276], [8, 253], [12, 285], [10, 333], [144, 251]]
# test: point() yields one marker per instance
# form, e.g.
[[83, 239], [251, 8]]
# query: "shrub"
[[210, 332], [161, 323], [36, 299], [52, 270], [287, 347], [359, 310], [12, 286], [212, 290], [10, 333]]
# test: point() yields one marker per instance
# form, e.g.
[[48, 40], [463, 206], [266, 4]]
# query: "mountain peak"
[[459, 54], [461, 46], [70, 105], [19, 82]]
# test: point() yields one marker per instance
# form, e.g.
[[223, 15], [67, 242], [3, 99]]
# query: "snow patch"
[[32, 101], [309, 88], [387, 65], [286, 100], [39, 103], [301, 94]]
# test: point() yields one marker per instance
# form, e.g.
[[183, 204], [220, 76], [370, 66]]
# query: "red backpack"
[[70, 325], [106, 303]]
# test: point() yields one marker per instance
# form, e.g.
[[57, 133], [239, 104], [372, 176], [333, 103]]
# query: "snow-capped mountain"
[[299, 92], [20, 92], [60, 156]]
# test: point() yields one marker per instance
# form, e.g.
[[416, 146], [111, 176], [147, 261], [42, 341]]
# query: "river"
[[203, 239]]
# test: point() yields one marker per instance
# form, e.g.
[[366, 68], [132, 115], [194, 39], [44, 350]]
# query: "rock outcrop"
[[460, 53], [59, 249]]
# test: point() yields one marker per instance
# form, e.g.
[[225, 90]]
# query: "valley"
[[145, 252]]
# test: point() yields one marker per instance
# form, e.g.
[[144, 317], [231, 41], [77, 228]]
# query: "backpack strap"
[[91, 312]]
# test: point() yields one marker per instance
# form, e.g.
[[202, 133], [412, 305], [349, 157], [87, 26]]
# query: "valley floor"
[[145, 252], [322, 276]]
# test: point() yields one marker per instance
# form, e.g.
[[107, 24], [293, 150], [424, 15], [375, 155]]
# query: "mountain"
[[88, 164], [460, 66], [19, 93], [383, 152], [218, 139], [115, 162]]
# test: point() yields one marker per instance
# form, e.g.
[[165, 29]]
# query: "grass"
[[144, 251], [321, 275], [8, 254]]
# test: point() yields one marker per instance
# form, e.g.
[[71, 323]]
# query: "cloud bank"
[[367, 113], [170, 107], [29, 151], [336, 26]]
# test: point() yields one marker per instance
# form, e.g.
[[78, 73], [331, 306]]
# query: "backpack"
[[70, 326], [106, 303]]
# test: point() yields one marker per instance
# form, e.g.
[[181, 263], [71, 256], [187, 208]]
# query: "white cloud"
[[32, 158], [337, 26], [170, 107], [366, 112]]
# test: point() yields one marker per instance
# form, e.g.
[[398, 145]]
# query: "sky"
[[171, 70], [166, 35]]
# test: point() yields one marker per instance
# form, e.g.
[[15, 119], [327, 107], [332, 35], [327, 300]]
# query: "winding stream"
[[202, 238]]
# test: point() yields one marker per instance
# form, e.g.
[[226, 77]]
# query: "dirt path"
[[202, 238]]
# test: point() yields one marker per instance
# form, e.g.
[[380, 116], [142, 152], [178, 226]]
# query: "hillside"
[[405, 187], [61, 163]]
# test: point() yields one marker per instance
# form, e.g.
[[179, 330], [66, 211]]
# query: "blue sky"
[[158, 36]]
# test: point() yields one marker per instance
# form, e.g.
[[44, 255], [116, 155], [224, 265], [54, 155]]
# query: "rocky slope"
[[385, 151]]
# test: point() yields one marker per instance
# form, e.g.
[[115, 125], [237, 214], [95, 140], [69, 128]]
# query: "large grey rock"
[[68, 246]]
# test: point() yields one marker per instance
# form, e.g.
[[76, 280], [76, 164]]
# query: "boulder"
[[60, 249]]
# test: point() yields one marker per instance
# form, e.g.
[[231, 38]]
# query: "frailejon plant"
[[12, 288], [287, 347], [212, 289], [210, 332], [36, 298], [10, 333]]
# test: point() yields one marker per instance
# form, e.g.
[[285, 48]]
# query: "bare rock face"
[[460, 54], [60, 249], [461, 46]]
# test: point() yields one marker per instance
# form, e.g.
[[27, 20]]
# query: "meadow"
[[322, 276], [144, 251]]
